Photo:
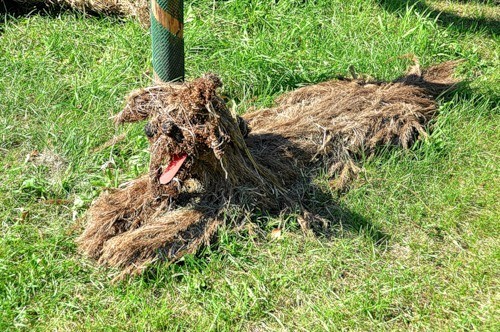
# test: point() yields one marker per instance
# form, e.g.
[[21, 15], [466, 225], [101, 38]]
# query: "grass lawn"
[[415, 242]]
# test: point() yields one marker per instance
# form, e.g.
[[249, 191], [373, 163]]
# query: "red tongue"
[[172, 168]]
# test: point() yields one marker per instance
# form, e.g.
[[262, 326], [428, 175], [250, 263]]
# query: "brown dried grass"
[[326, 126], [131, 8]]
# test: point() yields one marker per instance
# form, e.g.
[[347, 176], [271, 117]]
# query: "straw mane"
[[262, 161]]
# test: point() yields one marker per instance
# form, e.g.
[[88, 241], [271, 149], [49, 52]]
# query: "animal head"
[[189, 129]]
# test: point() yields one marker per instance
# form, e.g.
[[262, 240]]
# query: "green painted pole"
[[167, 39]]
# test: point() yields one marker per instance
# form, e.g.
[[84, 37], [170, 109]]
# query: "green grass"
[[415, 242]]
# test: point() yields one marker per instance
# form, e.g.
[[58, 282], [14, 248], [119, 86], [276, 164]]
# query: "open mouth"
[[172, 168]]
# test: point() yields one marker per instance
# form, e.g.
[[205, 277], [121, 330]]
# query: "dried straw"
[[131, 8], [263, 161]]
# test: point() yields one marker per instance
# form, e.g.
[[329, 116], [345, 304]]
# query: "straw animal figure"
[[205, 160]]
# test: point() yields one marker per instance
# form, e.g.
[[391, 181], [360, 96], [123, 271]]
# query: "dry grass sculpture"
[[205, 160], [131, 8]]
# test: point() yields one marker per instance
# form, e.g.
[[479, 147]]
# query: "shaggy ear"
[[135, 108], [129, 114], [142, 103]]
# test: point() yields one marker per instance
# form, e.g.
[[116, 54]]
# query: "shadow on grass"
[[328, 220], [9, 10], [12, 9], [332, 220], [445, 18]]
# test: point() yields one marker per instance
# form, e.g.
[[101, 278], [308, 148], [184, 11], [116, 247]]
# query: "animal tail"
[[436, 79]]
